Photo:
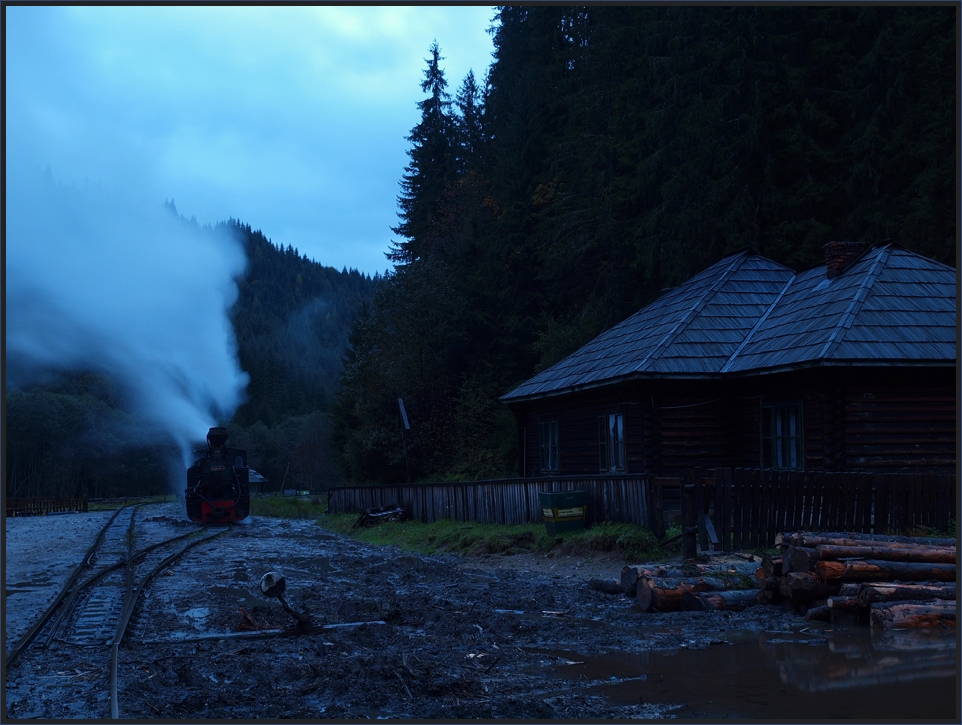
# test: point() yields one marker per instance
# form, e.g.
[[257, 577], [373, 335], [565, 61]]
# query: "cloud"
[[292, 119]]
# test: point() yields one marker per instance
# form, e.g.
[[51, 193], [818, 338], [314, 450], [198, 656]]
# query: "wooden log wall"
[[44, 505], [578, 442], [749, 507], [886, 420], [504, 501], [908, 426], [692, 430]]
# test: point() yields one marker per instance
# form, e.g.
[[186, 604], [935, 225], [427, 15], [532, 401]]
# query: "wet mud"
[[412, 638]]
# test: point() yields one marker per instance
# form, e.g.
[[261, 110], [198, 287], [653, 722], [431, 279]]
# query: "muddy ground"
[[418, 638]]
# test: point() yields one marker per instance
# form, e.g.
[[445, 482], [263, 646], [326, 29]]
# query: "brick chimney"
[[838, 255]]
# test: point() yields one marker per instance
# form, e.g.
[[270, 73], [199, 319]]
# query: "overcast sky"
[[290, 119]]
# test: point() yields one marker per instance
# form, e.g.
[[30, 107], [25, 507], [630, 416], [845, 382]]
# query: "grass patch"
[[634, 543], [289, 507], [929, 531]]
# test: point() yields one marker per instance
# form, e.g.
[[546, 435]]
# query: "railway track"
[[99, 600]]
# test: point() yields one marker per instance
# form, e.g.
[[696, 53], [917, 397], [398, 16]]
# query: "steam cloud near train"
[[98, 279]]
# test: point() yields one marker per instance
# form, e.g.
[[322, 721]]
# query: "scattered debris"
[[274, 585], [380, 514]]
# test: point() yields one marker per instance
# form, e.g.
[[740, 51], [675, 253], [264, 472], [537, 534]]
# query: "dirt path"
[[519, 637]]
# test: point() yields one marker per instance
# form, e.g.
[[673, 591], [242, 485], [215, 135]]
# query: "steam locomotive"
[[218, 489]]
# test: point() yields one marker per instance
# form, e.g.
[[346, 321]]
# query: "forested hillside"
[[292, 319], [616, 151], [70, 434]]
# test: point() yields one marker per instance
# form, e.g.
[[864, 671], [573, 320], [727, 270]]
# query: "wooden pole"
[[902, 552], [873, 570], [906, 615], [689, 525]]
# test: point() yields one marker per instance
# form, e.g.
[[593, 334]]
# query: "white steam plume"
[[98, 279]]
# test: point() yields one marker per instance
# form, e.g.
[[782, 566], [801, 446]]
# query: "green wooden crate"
[[563, 510]]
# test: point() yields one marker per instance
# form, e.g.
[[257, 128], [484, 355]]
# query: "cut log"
[[804, 587], [733, 600], [875, 570], [871, 592], [631, 574], [909, 615], [771, 565], [843, 604], [629, 579], [665, 595], [849, 589], [903, 552], [607, 586], [819, 614], [812, 539], [799, 558], [769, 584]]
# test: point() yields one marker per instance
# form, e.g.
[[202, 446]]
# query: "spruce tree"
[[431, 168], [469, 125]]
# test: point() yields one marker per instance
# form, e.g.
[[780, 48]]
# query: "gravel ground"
[[40, 554]]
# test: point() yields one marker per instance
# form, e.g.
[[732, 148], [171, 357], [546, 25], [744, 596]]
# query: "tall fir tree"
[[469, 125], [432, 165]]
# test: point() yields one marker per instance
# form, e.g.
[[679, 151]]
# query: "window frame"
[[777, 445], [612, 455], [549, 451]]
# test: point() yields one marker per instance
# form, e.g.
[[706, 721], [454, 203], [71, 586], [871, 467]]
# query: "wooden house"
[[848, 366]]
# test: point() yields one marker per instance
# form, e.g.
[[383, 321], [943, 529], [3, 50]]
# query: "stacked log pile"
[[891, 581], [700, 589]]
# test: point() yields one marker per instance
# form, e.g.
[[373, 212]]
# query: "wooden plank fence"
[[749, 507], [44, 505], [500, 501]]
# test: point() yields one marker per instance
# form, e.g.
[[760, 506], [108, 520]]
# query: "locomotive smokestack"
[[216, 437]]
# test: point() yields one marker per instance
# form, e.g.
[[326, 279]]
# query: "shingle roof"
[[747, 313]]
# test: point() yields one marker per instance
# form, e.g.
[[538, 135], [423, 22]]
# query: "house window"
[[611, 442], [550, 459], [782, 437]]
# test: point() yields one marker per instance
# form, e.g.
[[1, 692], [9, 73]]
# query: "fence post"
[[723, 482], [689, 525], [656, 509], [698, 479]]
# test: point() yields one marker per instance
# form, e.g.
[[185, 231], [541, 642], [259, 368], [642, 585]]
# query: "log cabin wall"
[[699, 425], [802, 387], [854, 419], [901, 419], [577, 415]]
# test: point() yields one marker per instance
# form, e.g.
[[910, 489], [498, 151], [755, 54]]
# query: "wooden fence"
[[746, 508], [501, 501], [749, 507], [44, 505]]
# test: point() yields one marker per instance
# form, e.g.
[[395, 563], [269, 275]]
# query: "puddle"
[[199, 615], [772, 676]]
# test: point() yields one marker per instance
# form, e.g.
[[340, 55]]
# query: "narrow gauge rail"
[[95, 611]]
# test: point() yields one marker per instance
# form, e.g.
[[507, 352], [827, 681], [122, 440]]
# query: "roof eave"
[[739, 374], [508, 399]]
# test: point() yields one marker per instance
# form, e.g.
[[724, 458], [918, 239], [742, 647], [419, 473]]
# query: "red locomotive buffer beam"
[[218, 489]]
